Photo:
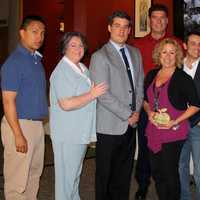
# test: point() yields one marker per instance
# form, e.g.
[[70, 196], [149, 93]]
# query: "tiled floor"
[[87, 180]]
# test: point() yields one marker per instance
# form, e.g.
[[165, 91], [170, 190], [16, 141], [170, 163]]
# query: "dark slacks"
[[114, 163], [143, 169], [164, 165]]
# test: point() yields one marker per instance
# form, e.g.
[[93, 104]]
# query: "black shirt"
[[181, 91]]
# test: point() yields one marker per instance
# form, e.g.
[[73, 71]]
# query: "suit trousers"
[[114, 164], [164, 165], [22, 171], [143, 169]]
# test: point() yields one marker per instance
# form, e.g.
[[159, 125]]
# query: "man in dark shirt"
[[191, 147], [23, 87], [158, 16]]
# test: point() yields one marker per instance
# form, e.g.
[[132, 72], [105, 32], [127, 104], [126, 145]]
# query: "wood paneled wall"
[[86, 16]]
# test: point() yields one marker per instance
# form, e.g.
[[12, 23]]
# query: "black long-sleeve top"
[[181, 91]]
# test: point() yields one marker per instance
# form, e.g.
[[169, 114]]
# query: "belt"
[[34, 119]]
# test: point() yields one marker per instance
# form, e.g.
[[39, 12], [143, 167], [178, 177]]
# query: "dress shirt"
[[118, 47], [191, 71]]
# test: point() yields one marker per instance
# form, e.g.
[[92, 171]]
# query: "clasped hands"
[[134, 118]]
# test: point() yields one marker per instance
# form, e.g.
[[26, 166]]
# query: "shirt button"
[[130, 91], [130, 105]]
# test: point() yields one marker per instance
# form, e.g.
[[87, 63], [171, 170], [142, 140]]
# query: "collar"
[[37, 53], [117, 46], [77, 70], [73, 66], [25, 51], [194, 64], [153, 39]]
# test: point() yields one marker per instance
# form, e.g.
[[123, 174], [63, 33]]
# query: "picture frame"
[[191, 16], [187, 17], [178, 19], [142, 27]]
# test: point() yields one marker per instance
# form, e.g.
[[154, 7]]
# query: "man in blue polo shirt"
[[23, 87]]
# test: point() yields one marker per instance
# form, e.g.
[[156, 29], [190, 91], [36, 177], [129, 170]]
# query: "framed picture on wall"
[[187, 17], [191, 15], [178, 18], [141, 17]]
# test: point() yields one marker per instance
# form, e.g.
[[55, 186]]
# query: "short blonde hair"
[[159, 47]]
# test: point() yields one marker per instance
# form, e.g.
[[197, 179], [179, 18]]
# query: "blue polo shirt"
[[23, 73]]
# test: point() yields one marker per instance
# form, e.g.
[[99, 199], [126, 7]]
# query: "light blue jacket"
[[77, 126]]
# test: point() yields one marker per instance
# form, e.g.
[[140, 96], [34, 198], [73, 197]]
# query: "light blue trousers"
[[191, 147], [68, 160]]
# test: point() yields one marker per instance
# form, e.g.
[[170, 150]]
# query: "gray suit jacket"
[[114, 108]]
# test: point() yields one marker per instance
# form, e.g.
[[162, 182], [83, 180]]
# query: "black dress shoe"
[[140, 194]]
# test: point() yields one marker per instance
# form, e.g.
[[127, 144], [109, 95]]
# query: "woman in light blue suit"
[[72, 115]]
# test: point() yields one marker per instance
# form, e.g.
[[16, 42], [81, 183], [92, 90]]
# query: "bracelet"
[[176, 126]]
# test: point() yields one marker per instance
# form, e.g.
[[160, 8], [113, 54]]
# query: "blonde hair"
[[159, 47]]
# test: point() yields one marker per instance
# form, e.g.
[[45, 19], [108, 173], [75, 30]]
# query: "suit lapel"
[[134, 62], [197, 74], [114, 57], [116, 61]]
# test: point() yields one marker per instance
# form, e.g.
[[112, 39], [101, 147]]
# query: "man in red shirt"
[[158, 15]]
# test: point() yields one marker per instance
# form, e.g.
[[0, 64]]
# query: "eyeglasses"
[[118, 26]]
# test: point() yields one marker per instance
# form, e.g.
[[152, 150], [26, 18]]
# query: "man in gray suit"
[[120, 66]]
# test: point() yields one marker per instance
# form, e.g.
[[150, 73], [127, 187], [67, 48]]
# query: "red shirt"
[[146, 46]]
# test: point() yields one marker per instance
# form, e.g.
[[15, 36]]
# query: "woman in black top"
[[170, 99]]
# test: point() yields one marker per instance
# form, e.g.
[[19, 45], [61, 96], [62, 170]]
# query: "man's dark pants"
[[143, 170], [114, 163]]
